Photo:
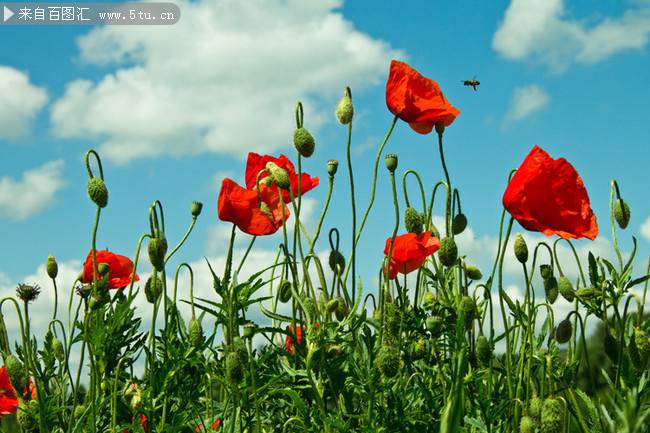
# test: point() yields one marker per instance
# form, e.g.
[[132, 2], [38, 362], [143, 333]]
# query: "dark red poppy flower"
[[547, 195], [143, 422], [416, 99], [410, 251], [120, 269], [243, 208], [8, 398], [288, 341], [257, 163]]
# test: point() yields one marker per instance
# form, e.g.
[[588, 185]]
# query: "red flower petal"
[[410, 251], [257, 163], [547, 195], [416, 99], [8, 398], [120, 269]]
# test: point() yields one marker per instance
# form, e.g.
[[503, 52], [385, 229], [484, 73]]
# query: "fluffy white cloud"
[[538, 30], [32, 193], [645, 229], [225, 78], [526, 101], [20, 101]]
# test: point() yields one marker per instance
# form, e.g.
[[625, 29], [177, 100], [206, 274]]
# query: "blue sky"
[[174, 109]]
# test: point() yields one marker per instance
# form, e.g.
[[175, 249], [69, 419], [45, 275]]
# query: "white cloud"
[[538, 30], [645, 229], [34, 192], [224, 79], [20, 101], [526, 101]]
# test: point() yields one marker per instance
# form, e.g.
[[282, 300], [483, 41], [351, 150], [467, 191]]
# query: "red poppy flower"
[[143, 422], [215, 425], [288, 341], [242, 207], [416, 99], [547, 195], [410, 251], [257, 163], [8, 398], [29, 390], [120, 269]]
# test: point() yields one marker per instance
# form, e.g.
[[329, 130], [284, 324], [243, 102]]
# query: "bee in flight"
[[471, 83]]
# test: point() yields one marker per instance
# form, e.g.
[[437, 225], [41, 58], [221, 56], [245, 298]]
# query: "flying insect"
[[474, 83]]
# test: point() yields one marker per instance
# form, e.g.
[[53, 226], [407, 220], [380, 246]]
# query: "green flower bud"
[[51, 267], [153, 288], [639, 349], [392, 320], [336, 262], [103, 269], [434, 325], [521, 249], [483, 349], [419, 349], [566, 288], [285, 291], [535, 408], [234, 368], [342, 309], [413, 221], [28, 292], [376, 315], [332, 167], [344, 109], [546, 271], [448, 252], [331, 306], [249, 330], [564, 331], [388, 361], [58, 350], [195, 333], [391, 162], [473, 273], [16, 372], [310, 307], [458, 224], [585, 292], [98, 192], [79, 411], [197, 207], [621, 213], [304, 142], [279, 175], [469, 310], [526, 425], [552, 416], [157, 249], [429, 300], [551, 289]]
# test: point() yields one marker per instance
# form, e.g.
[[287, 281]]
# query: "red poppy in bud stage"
[[288, 341], [410, 251], [547, 195], [8, 398], [257, 163], [243, 208], [416, 99], [120, 269]]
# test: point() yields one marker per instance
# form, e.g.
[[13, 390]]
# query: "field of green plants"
[[444, 350]]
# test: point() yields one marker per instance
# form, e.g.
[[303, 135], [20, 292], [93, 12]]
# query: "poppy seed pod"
[[51, 267], [521, 249], [459, 223], [526, 425], [345, 109], [564, 331], [621, 213], [153, 288], [332, 167], [566, 288], [249, 330], [535, 408], [304, 142], [28, 292], [285, 291], [195, 333], [552, 415], [97, 191], [234, 368], [434, 325], [448, 252], [473, 273], [391, 162], [413, 220], [57, 350], [279, 175], [157, 249], [336, 262], [388, 361], [483, 349], [551, 289], [196, 208]]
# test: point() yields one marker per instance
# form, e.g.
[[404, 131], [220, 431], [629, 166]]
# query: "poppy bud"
[[468, 307], [157, 249], [521, 249], [344, 109], [392, 320], [310, 307], [57, 349], [266, 181], [342, 309], [332, 167], [388, 361], [429, 300], [535, 408], [448, 252], [336, 262], [195, 333], [249, 330], [459, 223], [51, 267], [285, 291], [103, 268], [234, 368], [153, 288], [551, 289], [419, 349], [585, 292], [440, 128], [197, 207], [97, 191], [564, 331], [16, 372], [434, 325], [545, 271], [279, 175], [552, 415], [28, 292], [391, 162], [566, 288], [639, 349], [526, 425], [621, 213], [79, 411], [473, 273], [413, 221], [304, 142], [483, 349], [331, 306]]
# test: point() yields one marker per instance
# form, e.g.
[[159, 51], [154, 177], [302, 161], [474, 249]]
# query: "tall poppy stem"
[[448, 180]]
